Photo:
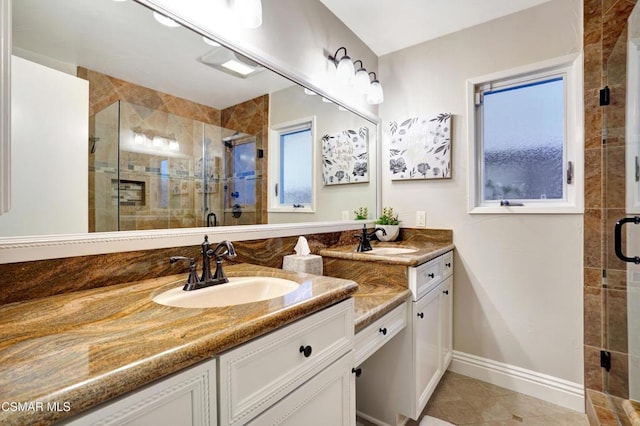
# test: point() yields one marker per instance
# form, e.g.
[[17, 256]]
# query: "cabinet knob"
[[431, 275], [306, 351], [357, 371], [421, 314], [383, 331], [448, 264], [445, 291]]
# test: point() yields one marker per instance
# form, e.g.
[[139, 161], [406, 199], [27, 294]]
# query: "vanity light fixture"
[[309, 92], [361, 79], [344, 67], [165, 21], [375, 95], [346, 72], [248, 12]]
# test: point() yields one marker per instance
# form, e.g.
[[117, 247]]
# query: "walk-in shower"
[[155, 170]]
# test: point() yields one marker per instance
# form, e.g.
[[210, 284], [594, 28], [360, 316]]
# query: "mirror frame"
[[5, 105], [31, 248]]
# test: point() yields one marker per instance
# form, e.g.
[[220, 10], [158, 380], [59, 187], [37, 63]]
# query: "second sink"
[[386, 251], [237, 291]]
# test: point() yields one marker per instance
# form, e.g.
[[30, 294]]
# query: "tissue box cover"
[[310, 263]]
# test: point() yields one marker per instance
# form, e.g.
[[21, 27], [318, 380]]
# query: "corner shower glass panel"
[[523, 141]]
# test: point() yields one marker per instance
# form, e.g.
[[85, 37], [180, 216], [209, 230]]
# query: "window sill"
[[528, 209], [291, 210]]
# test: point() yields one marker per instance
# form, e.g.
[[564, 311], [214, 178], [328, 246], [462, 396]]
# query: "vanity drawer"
[[259, 373], [447, 264], [425, 277], [374, 336]]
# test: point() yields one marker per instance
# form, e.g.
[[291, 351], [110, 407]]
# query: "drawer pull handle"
[[421, 314], [306, 350], [383, 331], [445, 291], [357, 371], [431, 275], [448, 265]]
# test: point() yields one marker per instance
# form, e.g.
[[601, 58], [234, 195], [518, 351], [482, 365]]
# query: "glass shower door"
[[621, 158]]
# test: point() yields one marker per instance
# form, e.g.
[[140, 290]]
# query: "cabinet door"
[[446, 321], [427, 346], [184, 399], [327, 399]]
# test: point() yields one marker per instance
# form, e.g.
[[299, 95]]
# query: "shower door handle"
[[618, 239]]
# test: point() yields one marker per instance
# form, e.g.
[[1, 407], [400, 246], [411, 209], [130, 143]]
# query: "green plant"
[[362, 213], [388, 217]]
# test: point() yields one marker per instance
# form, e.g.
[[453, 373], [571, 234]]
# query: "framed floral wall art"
[[345, 157], [420, 148]]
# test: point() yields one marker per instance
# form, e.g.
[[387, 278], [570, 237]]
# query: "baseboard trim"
[[548, 388]]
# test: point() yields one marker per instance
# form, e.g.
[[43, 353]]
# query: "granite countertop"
[[425, 251], [83, 348], [378, 296]]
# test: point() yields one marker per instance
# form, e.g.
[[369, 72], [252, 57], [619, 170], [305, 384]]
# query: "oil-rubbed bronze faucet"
[[222, 250], [365, 238]]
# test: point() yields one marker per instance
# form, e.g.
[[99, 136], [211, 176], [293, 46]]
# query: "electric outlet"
[[345, 215], [421, 219]]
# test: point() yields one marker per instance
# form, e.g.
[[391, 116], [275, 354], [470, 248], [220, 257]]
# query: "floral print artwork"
[[421, 148], [345, 157]]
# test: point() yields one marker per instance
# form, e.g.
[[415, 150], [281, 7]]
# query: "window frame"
[[275, 132], [570, 68]]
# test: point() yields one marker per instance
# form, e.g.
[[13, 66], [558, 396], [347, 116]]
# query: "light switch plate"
[[345, 214], [421, 219]]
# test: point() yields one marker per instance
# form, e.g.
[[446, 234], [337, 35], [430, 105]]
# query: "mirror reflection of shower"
[[151, 169]]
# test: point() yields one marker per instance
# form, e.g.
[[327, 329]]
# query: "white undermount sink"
[[237, 291], [386, 251]]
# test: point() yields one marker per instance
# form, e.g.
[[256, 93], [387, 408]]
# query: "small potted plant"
[[362, 213], [390, 223]]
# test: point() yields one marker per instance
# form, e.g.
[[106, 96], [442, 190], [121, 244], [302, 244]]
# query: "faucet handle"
[[193, 276]]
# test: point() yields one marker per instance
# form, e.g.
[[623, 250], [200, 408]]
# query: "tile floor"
[[462, 400]]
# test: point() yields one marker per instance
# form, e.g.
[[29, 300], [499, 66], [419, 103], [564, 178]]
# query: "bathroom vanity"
[[111, 354], [300, 371], [397, 378]]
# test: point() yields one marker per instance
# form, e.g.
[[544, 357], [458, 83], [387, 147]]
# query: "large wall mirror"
[[123, 120]]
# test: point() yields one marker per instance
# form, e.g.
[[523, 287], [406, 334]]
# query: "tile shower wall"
[[149, 109], [605, 316]]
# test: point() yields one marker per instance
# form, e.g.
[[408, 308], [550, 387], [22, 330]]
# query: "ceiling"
[[386, 26]]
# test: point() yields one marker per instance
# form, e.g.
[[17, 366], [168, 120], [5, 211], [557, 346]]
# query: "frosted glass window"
[[295, 168], [244, 174], [523, 141]]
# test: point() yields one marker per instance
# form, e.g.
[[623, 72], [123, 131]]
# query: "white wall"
[[49, 142], [296, 35], [292, 104], [518, 285]]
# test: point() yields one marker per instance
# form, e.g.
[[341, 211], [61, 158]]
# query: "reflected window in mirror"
[[292, 155]]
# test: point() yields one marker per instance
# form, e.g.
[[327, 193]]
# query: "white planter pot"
[[391, 230]]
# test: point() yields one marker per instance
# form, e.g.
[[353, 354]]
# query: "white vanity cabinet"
[[398, 380], [187, 398], [298, 374], [301, 371]]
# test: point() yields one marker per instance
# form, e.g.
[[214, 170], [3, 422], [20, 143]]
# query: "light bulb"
[[165, 21], [210, 42], [345, 69], [374, 94], [361, 81]]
